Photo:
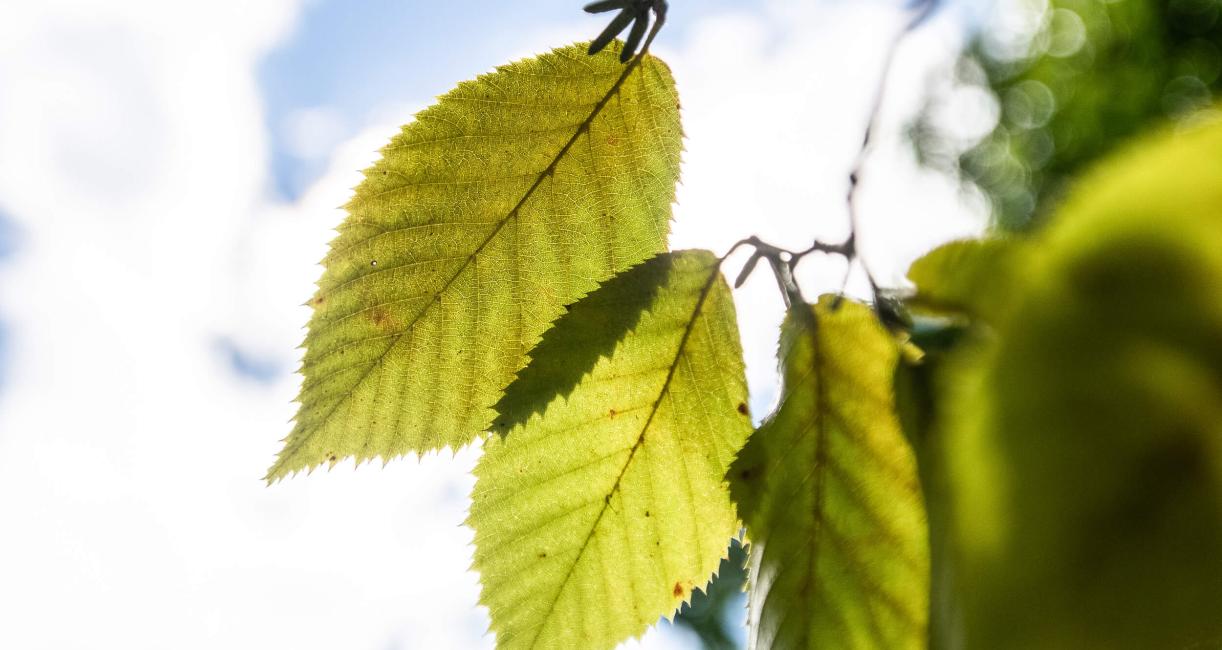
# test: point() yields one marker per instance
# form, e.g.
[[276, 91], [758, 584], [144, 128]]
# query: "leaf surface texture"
[[512, 196], [828, 490], [604, 510]]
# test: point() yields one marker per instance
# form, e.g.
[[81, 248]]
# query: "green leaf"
[[1086, 441], [512, 196], [711, 615], [920, 383], [828, 490], [605, 511], [969, 277], [592, 328]]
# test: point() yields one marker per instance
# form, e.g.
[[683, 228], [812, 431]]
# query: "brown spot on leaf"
[[646, 513], [678, 590], [542, 554], [382, 318], [318, 301], [742, 408], [612, 413]]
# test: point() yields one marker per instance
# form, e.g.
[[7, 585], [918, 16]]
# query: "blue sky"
[[170, 178], [8, 246], [352, 57]]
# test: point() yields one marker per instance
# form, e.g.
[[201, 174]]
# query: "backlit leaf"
[[602, 512], [592, 329], [828, 490], [969, 277], [1086, 448], [512, 196]]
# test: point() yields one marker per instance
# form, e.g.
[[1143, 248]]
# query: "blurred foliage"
[[965, 278], [712, 614], [961, 288], [1071, 448], [1072, 78]]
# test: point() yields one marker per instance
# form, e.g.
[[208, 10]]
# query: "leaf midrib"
[[674, 364], [820, 460], [821, 466], [547, 172]]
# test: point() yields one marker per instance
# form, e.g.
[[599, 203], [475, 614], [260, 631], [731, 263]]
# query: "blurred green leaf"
[[604, 511], [714, 613], [828, 490], [1085, 449], [967, 277], [461, 246], [1094, 74], [923, 385]]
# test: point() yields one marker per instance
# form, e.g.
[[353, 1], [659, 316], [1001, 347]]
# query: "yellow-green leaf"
[[1085, 442], [604, 511], [512, 196], [591, 330], [828, 490], [969, 277]]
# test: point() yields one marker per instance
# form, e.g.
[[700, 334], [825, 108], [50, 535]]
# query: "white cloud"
[[774, 106], [134, 162], [313, 133]]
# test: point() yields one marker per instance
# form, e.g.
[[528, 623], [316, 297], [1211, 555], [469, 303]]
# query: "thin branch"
[[780, 260], [632, 12], [921, 10], [659, 13], [784, 262]]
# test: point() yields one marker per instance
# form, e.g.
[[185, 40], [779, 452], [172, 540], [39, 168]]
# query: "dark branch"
[[634, 12], [921, 10]]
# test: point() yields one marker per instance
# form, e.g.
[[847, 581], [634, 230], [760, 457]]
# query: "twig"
[[923, 9], [780, 260], [785, 262], [634, 12], [659, 13]]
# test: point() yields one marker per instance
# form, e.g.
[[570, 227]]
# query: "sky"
[[169, 176]]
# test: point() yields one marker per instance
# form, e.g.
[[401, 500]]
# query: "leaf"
[[604, 512], [969, 277], [828, 490], [1086, 441], [512, 196], [709, 615], [592, 328], [959, 286], [920, 385]]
